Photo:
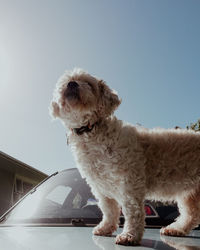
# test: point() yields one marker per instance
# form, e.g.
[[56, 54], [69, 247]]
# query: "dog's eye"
[[90, 85]]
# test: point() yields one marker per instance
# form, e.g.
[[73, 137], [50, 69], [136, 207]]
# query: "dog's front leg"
[[133, 210], [111, 212]]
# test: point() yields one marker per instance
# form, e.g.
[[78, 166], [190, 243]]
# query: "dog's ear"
[[109, 99], [54, 110]]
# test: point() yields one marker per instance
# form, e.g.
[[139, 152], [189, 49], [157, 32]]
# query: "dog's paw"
[[103, 230], [126, 239], [171, 231]]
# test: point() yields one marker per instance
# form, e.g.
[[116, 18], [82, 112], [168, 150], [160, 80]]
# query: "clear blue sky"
[[147, 50]]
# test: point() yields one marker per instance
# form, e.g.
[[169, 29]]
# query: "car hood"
[[76, 238]]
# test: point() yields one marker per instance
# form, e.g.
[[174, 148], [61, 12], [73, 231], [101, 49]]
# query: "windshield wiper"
[[84, 222], [2, 218], [78, 222], [35, 188]]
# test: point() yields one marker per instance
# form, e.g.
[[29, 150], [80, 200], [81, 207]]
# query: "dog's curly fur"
[[124, 164]]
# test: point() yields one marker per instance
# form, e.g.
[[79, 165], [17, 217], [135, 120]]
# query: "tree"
[[195, 126]]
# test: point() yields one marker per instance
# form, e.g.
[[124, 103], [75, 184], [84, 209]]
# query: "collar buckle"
[[83, 129]]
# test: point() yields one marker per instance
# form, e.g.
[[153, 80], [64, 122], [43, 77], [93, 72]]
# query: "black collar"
[[83, 129]]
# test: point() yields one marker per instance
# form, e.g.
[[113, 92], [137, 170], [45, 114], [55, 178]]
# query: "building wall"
[[6, 189], [16, 179]]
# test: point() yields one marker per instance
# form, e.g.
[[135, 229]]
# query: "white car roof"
[[76, 238]]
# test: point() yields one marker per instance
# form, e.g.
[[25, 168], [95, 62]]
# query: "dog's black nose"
[[72, 84], [71, 90]]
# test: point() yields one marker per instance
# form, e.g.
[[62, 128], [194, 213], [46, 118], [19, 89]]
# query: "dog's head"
[[80, 98]]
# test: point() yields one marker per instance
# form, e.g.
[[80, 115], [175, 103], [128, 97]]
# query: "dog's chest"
[[96, 157], [98, 163]]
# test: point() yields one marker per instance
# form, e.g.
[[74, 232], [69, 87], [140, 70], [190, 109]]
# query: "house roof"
[[19, 164]]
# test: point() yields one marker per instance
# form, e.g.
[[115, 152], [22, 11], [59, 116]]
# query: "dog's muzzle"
[[72, 90]]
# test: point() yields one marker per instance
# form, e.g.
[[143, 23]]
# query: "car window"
[[59, 194]]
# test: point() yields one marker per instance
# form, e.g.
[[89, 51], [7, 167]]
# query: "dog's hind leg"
[[189, 208], [111, 213]]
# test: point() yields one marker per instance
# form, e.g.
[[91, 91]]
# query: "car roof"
[[76, 238]]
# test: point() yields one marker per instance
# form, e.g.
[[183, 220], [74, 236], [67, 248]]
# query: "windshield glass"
[[62, 198]]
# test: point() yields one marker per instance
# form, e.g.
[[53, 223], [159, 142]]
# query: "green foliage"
[[194, 126]]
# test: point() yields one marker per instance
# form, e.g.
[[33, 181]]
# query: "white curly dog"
[[124, 164]]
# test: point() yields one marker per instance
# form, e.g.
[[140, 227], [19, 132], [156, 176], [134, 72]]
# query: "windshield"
[[63, 197]]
